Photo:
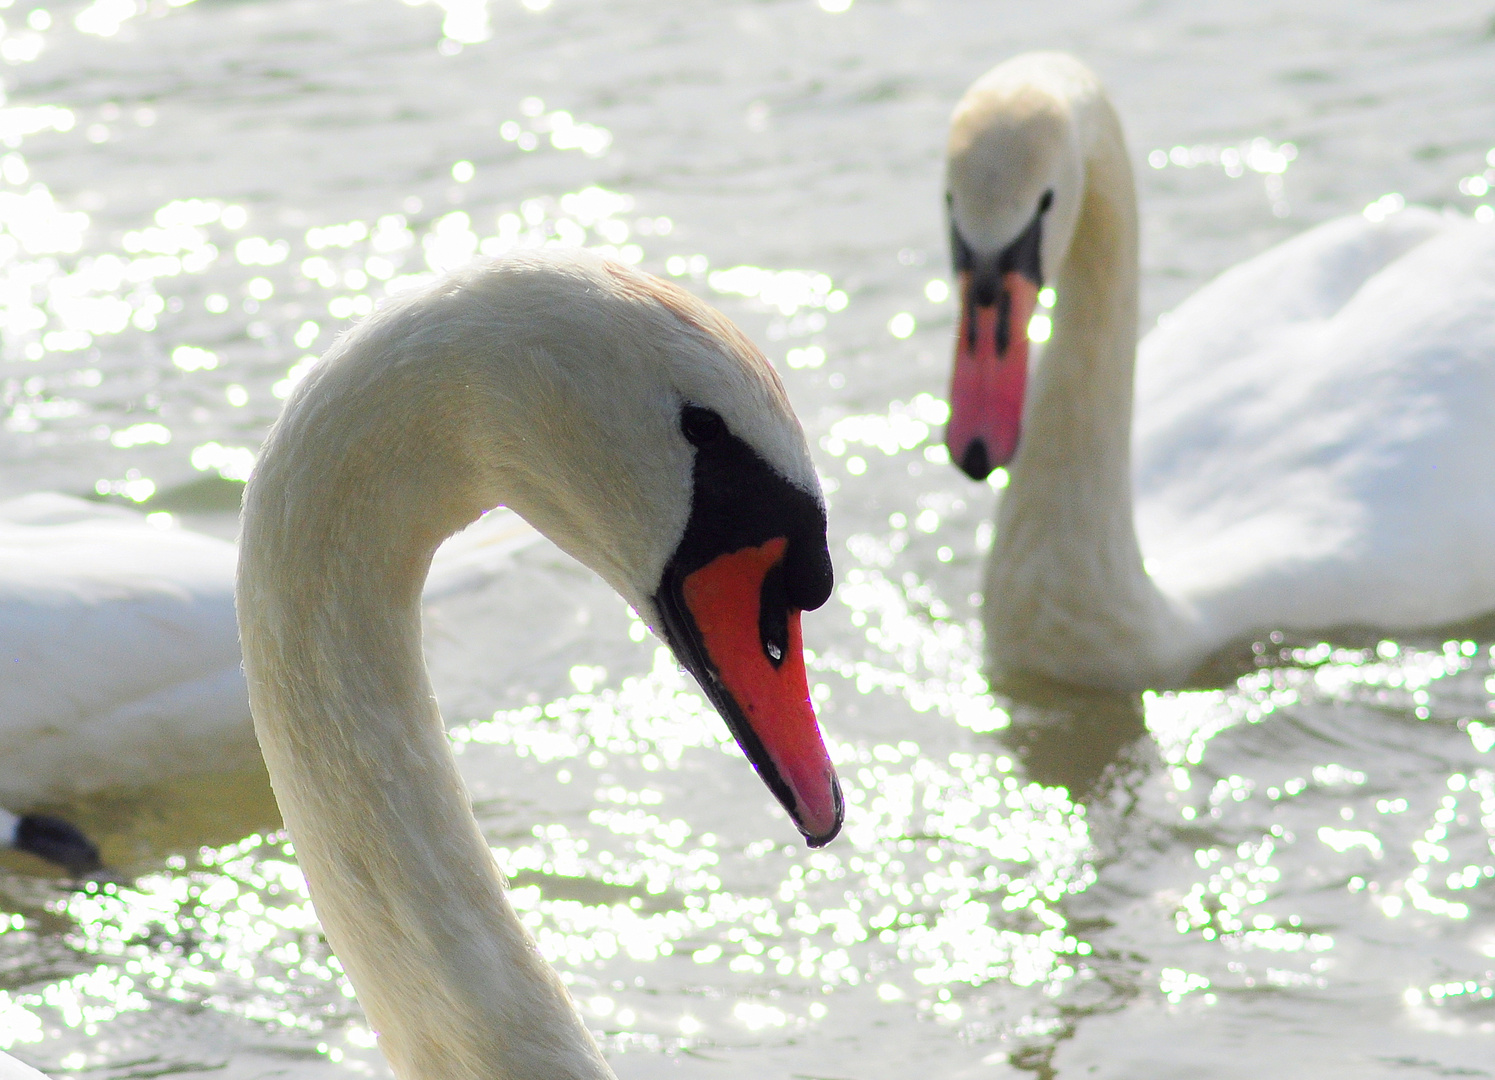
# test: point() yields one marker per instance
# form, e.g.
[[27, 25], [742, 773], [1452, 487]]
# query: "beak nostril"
[[773, 615], [976, 462]]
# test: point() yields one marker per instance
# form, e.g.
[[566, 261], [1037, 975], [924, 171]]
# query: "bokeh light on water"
[[963, 897], [1295, 866]]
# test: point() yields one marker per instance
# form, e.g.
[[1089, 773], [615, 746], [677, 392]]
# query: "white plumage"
[[555, 384], [121, 649], [119, 653], [1314, 431]]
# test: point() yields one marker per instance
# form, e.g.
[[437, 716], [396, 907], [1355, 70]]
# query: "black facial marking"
[[1004, 322], [1023, 255], [740, 501], [58, 842]]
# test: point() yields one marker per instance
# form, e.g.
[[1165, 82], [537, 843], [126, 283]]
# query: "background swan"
[[121, 651], [1315, 429], [648, 438]]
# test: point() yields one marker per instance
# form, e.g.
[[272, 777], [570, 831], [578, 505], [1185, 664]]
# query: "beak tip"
[[818, 834], [814, 842], [976, 462]]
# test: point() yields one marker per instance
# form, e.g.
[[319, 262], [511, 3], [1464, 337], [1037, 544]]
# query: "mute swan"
[[646, 436], [120, 649], [1315, 429]]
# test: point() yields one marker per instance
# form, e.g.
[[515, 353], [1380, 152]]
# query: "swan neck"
[[340, 525], [1068, 593], [1090, 359]]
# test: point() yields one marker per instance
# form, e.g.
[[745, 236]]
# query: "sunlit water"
[[1288, 875]]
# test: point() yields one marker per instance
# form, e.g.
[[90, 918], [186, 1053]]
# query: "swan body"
[[120, 650], [643, 434], [1345, 478], [121, 646], [1314, 430], [11, 1069]]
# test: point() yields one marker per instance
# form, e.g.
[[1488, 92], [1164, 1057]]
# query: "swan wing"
[[1316, 429], [119, 647], [120, 650]]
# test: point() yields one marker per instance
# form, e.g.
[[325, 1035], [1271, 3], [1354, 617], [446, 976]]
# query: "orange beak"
[[991, 375], [755, 674]]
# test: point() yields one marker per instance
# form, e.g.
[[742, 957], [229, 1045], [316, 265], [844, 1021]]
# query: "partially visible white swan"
[[641, 432], [11, 1069], [119, 653], [120, 648], [1315, 433]]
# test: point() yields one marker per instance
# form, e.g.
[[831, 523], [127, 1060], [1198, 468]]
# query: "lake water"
[[1288, 875]]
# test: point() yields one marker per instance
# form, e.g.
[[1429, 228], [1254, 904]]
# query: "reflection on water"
[[1288, 865], [1073, 738], [1295, 852]]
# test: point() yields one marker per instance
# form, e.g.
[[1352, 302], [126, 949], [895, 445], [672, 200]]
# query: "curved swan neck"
[[1066, 585], [351, 496], [1087, 366]]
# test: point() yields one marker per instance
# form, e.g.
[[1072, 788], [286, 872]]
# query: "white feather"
[[119, 654], [1314, 432], [551, 383]]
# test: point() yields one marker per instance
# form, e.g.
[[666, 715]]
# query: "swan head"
[[636, 428], [1014, 179]]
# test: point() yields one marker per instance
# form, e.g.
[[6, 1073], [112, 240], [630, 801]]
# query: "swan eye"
[[701, 426]]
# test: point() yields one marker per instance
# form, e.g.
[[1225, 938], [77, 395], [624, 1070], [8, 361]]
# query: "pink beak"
[[991, 376]]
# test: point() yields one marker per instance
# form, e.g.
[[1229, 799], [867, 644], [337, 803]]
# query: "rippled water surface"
[[1290, 874]]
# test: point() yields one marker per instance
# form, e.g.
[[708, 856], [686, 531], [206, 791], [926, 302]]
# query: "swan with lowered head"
[[1314, 430], [646, 436]]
